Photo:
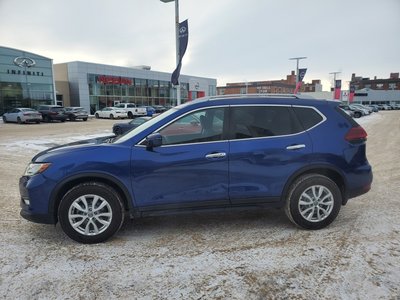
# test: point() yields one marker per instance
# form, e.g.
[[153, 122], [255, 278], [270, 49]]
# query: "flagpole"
[[297, 66], [178, 87]]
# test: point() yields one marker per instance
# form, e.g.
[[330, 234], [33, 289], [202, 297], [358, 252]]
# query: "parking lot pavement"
[[230, 255]]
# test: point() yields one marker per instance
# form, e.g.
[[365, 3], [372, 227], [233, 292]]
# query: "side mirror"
[[153, 140]]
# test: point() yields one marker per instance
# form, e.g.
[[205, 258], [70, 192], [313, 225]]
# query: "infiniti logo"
[[182, 30], [24, 62]]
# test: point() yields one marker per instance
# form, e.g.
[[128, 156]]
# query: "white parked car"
[[111, 113], [22, 115]]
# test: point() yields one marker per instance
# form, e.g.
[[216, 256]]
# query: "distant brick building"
[[282, 86], [314, 86], [392, 83]]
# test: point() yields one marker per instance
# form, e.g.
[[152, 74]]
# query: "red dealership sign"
[[104, 79]]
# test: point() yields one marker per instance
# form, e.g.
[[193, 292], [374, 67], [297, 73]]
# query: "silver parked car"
[[22, 115], [75, 113]]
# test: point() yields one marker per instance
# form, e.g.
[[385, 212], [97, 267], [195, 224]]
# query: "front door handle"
[[295, 147], [216, 155]]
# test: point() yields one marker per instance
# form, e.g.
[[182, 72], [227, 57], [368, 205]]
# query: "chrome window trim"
[[237, 140]]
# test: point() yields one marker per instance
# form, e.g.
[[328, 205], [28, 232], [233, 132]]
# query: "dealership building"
[[28, 80]]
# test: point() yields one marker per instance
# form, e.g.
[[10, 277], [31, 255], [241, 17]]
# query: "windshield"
[[144, 126]]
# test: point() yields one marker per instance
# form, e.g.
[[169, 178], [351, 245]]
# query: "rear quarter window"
[[346, 116], [308, 116]]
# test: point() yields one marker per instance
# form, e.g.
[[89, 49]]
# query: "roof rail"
[[297, 96]]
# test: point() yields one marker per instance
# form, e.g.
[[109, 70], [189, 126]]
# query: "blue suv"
[[303, 155]]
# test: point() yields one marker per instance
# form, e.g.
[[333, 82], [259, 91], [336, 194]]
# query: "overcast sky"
[[229, 40]]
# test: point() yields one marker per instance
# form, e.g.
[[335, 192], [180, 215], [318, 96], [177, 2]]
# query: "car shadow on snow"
[[204, 221]]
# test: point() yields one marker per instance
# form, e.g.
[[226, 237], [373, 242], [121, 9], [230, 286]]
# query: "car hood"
[[78, 145]]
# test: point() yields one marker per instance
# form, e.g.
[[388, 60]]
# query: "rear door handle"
[[295, 147], [216, 155]]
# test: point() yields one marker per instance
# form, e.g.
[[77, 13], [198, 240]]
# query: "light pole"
[[297, 66], [334, 77], [178, 88]]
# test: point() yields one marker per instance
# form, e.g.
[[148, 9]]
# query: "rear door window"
[[263, 121]]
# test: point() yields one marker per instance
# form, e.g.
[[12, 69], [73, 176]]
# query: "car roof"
[[283, 99]]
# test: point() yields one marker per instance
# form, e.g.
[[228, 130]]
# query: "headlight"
[[36, 168]]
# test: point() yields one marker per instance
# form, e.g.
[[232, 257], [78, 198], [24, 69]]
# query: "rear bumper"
[[360, 182]]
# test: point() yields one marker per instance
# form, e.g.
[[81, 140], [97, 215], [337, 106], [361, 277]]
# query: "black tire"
[[308, 210], [72, 118], [130, 115], [104, 214], [111, 116], [62, 120], [84, 119], [19, 121], [357, 114], [5, 119], [46, 118], [118, 130], [96, 116]]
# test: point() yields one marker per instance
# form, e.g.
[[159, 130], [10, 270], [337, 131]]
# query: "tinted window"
[[307, 116], [346, 116], [200, 126], [263, 121]]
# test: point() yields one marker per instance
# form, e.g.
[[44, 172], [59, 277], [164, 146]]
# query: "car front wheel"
[[313, 201], [91, 212]]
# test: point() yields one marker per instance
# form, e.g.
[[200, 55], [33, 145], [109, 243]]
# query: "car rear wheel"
[[19, 121], [5, 119], [111, 116], [91, 212], [84, 119], [357, 114], [313, 201], [96, 116]]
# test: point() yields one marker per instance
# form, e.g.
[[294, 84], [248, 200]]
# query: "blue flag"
[[183, 42], [302, 73]]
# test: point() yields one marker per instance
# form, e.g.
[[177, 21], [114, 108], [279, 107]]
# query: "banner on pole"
[[338, 89], [300, 76], [352, 92], [183, 42]]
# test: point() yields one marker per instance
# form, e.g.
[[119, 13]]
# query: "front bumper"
[[32, 211]]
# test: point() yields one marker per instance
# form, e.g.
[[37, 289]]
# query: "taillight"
[[356, 134]]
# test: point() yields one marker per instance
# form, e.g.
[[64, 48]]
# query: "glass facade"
[[107, 90], [26, 79]]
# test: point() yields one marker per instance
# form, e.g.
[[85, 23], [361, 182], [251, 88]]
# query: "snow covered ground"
[[230, 255]]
